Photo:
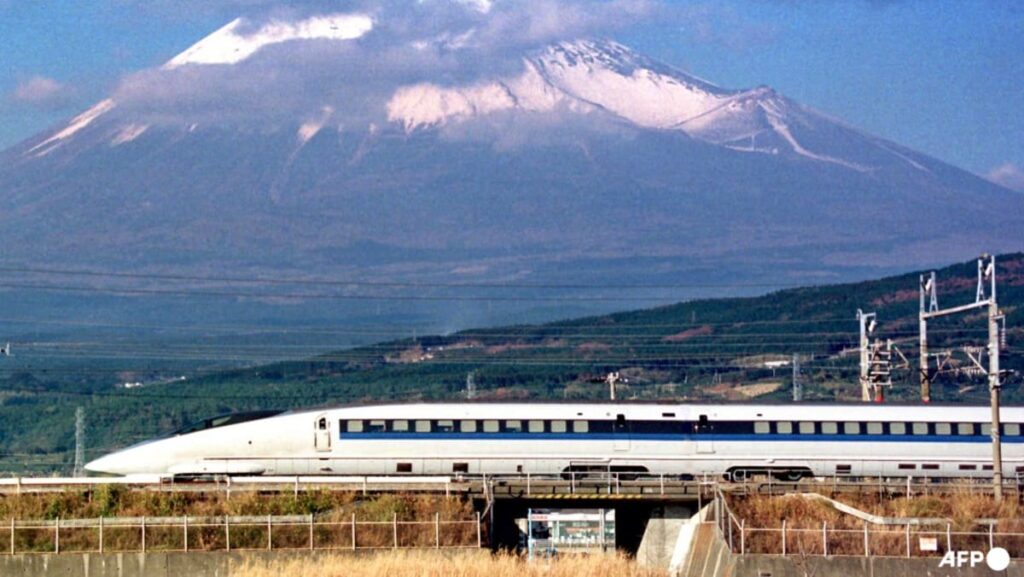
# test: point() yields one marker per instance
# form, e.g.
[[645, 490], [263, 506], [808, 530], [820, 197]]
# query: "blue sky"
[[945, 78]]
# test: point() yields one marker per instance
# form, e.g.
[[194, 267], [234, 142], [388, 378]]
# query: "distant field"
[[463, 564]]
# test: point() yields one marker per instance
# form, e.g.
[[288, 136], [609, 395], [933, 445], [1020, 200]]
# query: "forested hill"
[[725, 349]]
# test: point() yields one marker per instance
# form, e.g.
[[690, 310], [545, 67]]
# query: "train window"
[[514, 426], [536, 426], [874, 428], [321, 424], [784, 428], [762, 428], [844, 469], [580, 427], [930, 467], [968, 467], [400, 426], [355, 426], [422, 426], [986, 429], [829, 428], [806, 428], [1011, 429], [919, 428], [445, 427], [467, 426], [491, 426], [668, 415], [906, 466], [851, 428], [460, 467], [403, 468], [557, 426], [897, 428], [375, 427], [943, 429], [986, 467], [965, 428]]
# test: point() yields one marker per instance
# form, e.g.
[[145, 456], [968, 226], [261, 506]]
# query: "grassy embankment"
[[963, 510], [333, 513]]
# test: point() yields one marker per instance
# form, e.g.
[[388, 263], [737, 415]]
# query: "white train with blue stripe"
[[476, 438]]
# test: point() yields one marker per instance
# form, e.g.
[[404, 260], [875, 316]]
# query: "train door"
[[322, 434], [620, 432], [703, 430]]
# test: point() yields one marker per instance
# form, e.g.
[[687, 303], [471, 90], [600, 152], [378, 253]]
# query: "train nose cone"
[[109, 464]]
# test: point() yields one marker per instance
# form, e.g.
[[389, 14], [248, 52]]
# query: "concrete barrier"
[[176, 564]]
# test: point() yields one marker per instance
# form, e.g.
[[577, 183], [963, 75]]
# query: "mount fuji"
[[581, 160]]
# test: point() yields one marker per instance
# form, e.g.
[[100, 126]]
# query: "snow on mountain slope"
[[585, 76], [231, 44], [578, 77]]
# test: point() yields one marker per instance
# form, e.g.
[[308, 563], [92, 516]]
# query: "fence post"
[[528, 486], [479, 536], [185, 526], [728, 521], [867, 546], [661, 483], [824, 537], [56, 536], [101, 534], [227, 532], [991, 540], [394, 528], [783, 537], [270, 534], [143, 533], [908, 540], [743, 540], [949, 539], [12, 535], [908, 488], [437, 530], [310, 531], [353, 531]]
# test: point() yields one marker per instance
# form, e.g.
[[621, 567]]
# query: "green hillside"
[[700, 350]]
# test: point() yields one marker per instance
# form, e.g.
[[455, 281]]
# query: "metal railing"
[[910, 539], [236, 533]]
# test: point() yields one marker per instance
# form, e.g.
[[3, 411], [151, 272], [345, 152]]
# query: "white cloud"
[[41, 91], [1009, 175], [263, 67]]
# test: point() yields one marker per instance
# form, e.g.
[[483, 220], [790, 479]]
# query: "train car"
[[698, 440]]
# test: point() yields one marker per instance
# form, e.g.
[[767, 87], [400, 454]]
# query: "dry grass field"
[[463, 564]]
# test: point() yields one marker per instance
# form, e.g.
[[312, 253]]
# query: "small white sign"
[[929, 544]]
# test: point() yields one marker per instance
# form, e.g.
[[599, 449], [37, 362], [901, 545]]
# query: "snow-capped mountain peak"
[[231, 44]]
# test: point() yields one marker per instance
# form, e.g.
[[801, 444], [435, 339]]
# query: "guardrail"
[[235, 533], [487, 486]]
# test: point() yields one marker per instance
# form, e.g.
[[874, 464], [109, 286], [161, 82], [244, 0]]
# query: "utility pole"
[[868, 322], [927, 286], [984, 299], [993, 372], [79, 442], [798, 387], [611, 379]]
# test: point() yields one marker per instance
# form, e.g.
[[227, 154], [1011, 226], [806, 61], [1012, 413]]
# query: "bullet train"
[[475, 438]]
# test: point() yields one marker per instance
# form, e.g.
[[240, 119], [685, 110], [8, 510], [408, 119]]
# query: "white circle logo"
[[998, 559]]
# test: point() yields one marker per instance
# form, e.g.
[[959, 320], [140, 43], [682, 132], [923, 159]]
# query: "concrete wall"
[[192, 564], [776, 566]]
